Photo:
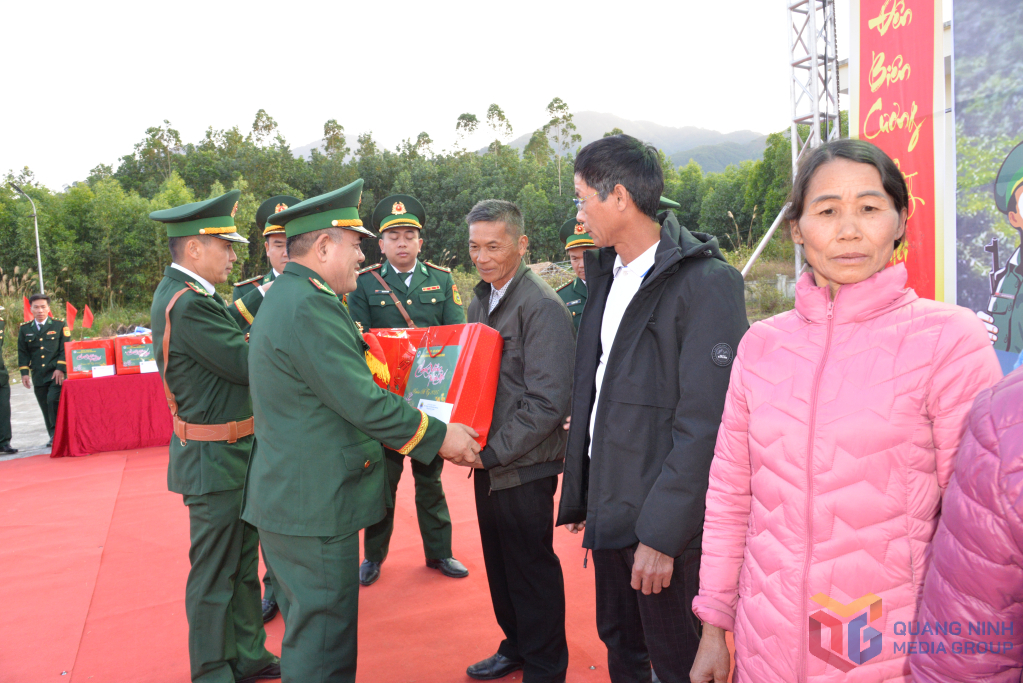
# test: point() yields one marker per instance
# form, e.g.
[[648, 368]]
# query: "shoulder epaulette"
[[197, 289], [250, 281], [436, 267], [564, 285], [26, 322], [373, 267], [323, 287]]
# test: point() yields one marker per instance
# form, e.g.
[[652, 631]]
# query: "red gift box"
[[129, 352], [452, 368], [82, 356]]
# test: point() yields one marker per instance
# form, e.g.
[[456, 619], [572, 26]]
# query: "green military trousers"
[[268, 579], [5, 415], [226, 640], [318, 592], [48, 397], [431, 509]]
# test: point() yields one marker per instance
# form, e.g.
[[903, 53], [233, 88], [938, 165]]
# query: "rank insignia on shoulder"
[[322, 287], [431, 288], [198, 289], [436, 267], [250, 281], [373, 267], [563, 286], [455, 295]]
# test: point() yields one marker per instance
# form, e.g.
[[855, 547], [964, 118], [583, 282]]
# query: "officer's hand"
[[460, 445], [58, 377], [26, 382], [266, 287], [992, 331]]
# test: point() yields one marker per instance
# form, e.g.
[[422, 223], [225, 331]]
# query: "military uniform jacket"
[[317, 468], [41, 351], [1003, 306], [208, 373], [574, 296], [246, 300], [430, 299], [5, 379]]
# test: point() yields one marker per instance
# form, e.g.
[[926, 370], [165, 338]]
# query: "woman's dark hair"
[[859, 151], [623, 160]]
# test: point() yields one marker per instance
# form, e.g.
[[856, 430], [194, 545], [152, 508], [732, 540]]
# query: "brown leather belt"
[[230, 432]]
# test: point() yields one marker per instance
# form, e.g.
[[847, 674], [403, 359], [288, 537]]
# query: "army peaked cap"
[[337, 209], [398, 211], [270, 207], [1009, 179], [573, 234], [210, 217]]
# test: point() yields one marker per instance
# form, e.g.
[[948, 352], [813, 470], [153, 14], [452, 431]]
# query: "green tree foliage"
[[100, 248]]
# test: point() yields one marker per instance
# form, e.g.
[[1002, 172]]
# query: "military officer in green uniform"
[[206, 375], [1004, 315], [317, 473], [276, 244], [577, 242], [276, 247], [398, 293], [5, 399], [41, 351]]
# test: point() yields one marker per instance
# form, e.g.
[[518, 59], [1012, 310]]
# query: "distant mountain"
[[714, 158], [712, 149]]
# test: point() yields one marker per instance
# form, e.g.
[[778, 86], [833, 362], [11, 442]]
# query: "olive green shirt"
[[574, 296], [208, 373], [41, 350], [317, 468], [431, 298]]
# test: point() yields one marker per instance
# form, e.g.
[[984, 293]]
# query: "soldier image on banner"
[[1004, 315], [400, 293]]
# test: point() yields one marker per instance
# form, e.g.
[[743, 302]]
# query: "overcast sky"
[[85, 79]]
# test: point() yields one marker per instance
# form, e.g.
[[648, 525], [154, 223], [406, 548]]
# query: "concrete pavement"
[[27, 426]]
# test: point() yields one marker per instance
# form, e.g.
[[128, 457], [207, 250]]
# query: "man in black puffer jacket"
[[661, 325]]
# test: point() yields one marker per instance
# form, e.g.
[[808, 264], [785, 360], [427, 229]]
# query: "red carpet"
[[94, 556]]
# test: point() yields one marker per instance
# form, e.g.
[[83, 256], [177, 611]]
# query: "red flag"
[[28, 309], [87, 317], [72, 313]]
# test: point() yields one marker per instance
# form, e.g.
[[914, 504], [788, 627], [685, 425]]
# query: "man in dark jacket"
[[525, 449], [664, 316]]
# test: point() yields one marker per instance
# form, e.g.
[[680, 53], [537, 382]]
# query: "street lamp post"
[[39, 253]]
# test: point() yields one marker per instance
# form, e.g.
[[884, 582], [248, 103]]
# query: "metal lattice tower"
[[814, 82]]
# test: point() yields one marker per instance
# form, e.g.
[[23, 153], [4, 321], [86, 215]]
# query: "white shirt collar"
[[410, 271], [639, 265], [209, 288], [276, 274]]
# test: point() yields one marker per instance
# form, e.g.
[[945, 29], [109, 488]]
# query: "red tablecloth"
[[111, 414]]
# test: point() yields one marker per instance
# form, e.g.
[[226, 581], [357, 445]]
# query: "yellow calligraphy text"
[[889, 121], [896, 16], [913, 199], [886, 74]]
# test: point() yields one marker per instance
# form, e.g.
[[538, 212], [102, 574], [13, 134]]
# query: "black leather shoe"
[[270, 610], [7, 450], [269, 671], [369, 572], [449, 567], [492, 668], [49, 444]]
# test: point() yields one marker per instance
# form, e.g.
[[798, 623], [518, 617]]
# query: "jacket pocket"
[[434, 297], [362, 455]]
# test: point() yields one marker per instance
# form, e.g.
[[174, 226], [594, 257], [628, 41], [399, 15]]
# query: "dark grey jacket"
[[661, 400], [526, 441]]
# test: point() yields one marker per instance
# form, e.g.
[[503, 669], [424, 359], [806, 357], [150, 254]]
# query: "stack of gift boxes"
[[106, 356]]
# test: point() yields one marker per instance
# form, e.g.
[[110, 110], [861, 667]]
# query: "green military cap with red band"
[[214, 217], [337, 209]]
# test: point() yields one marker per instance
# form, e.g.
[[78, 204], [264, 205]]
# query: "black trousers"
[[639, 629], [48, 397], [5, 415], [527, 587]]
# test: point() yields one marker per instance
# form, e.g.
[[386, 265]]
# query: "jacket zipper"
[[808, 512]]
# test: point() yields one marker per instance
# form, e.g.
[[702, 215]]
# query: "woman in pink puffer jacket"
[[974, 588], [837, 440]]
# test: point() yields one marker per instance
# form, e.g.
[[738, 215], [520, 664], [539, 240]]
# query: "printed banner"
[[897, 102], [989, 167]]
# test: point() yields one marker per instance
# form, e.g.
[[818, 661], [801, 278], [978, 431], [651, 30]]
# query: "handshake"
[[460, 446]]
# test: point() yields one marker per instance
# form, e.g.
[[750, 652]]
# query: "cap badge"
[[234, 209], [397, 209], [280, 207], [580, 229]]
